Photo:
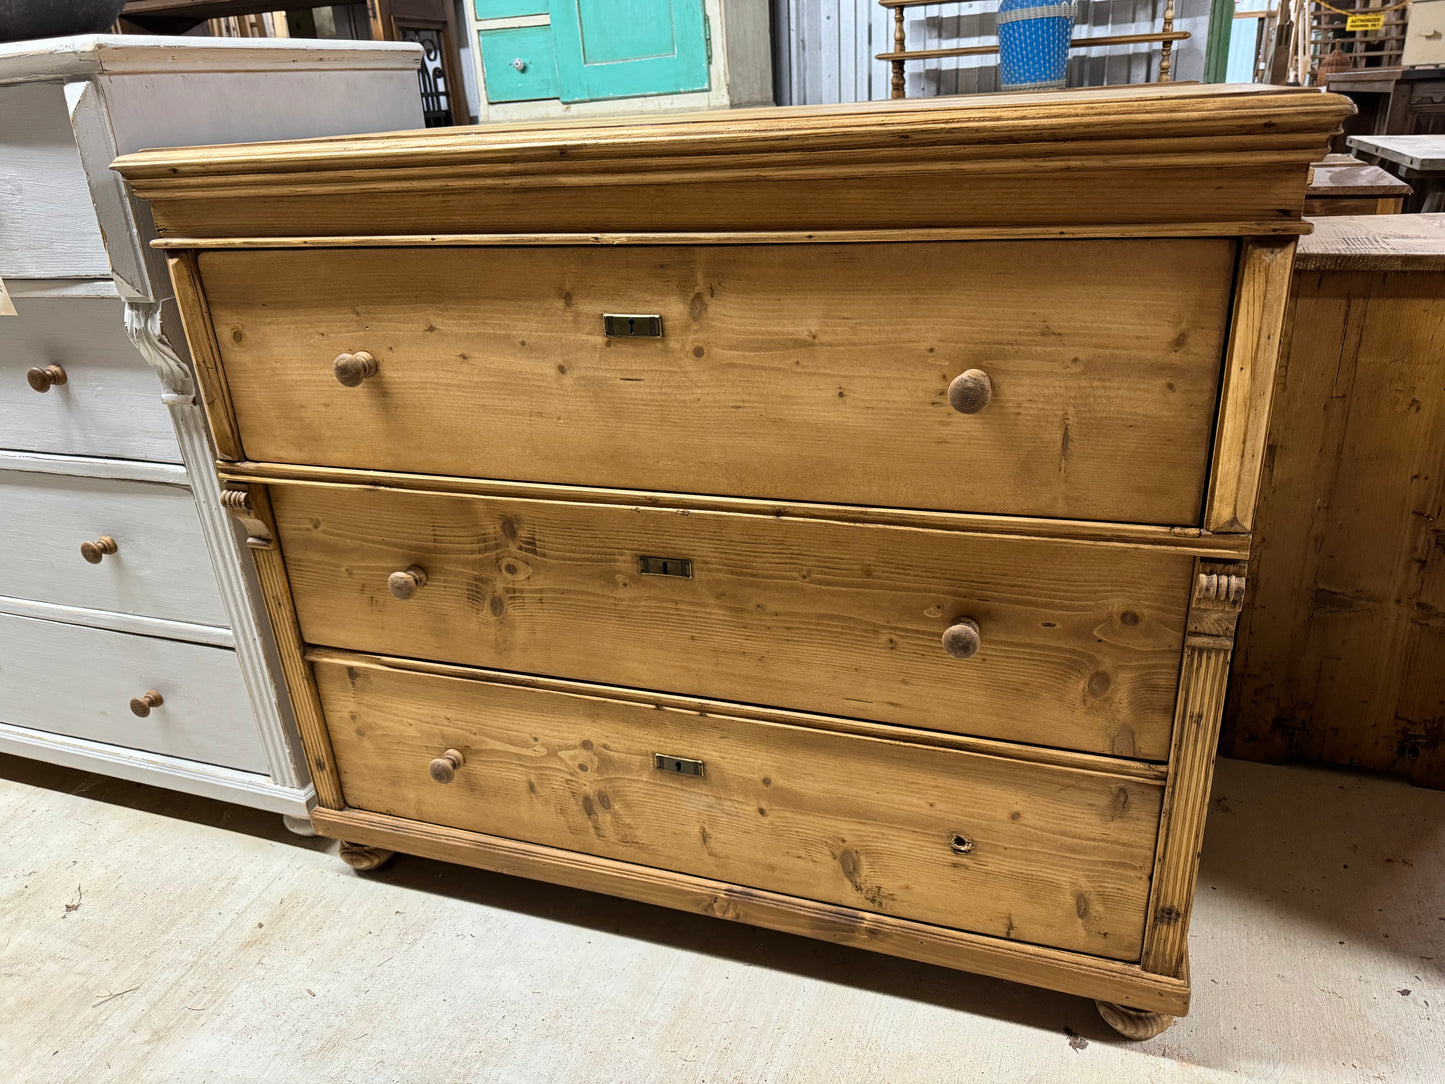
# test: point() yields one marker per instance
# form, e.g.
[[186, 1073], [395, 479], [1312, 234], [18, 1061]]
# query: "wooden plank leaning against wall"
[[1341, 653]]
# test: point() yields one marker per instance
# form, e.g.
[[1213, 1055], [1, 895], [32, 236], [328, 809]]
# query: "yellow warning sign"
[[1365, 22]]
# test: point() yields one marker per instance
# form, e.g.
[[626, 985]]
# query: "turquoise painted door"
[[627, 48]]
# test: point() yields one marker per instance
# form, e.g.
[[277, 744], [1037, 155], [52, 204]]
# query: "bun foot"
[[1136, 1024], [300, 826], [362, 858]]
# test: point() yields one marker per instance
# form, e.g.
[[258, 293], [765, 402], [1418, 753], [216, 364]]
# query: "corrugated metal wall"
[[825, 48]]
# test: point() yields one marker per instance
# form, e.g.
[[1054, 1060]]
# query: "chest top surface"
[[1159, 161], [86, 55]]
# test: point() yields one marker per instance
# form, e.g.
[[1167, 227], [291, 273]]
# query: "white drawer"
[[79, 681], [110, 404], [48, 227], [160, 567]]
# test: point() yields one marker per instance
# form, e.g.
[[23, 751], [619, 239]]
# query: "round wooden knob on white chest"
[[95, 552], [46, 377], [141, 705]]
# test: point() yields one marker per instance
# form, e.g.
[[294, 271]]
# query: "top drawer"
[[110, 402], [799, 372]]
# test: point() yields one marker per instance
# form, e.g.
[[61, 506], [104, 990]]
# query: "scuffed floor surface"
[[147, 936]]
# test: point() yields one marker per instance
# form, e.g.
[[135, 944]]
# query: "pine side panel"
[[1269, 698], [205, 354], [1249, 370], [1342, 645]]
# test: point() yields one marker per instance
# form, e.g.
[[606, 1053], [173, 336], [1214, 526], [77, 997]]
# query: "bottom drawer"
[[1033, 852], [76, 680]]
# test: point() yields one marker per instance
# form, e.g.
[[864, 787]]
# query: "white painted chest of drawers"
[[121, 575]]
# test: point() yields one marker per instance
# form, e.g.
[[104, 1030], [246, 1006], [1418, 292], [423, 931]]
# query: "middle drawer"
[[1078, 645]]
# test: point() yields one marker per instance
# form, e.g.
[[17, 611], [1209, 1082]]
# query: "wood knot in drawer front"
[[855, 873]]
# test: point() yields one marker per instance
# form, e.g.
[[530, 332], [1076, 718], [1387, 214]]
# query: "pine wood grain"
[[201, 337], [1006, 161], [1054, 857], [809, 373], [1071, 972], [1260, 301], [276, 594], [1080, 644], [1213, 612], [1342, 646], [819, 527], [1190, 540], [1034, 754]]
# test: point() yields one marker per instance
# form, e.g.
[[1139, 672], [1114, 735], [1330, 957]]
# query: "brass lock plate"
[[677, 765], [632, 326], [665, 566]]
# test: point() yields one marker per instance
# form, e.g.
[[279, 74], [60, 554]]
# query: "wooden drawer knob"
[[46, 378], [444, 768], [141, 705], [352, 369], [961, 639], [94, 551], [404, 585], [970, 391]]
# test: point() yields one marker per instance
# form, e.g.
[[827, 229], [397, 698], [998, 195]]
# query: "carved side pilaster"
[[237, 501], [143, 327], [1208, 643], [240, 593]]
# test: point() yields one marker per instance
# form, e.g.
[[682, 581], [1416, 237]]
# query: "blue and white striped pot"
[[1033, 44]]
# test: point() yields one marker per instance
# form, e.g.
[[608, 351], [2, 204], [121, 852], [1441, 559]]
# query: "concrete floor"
[[147, 936]]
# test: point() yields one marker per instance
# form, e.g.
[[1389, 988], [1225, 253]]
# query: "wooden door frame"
[[431, 14]]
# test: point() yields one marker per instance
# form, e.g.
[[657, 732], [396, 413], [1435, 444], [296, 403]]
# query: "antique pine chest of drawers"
[[827, 519]]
